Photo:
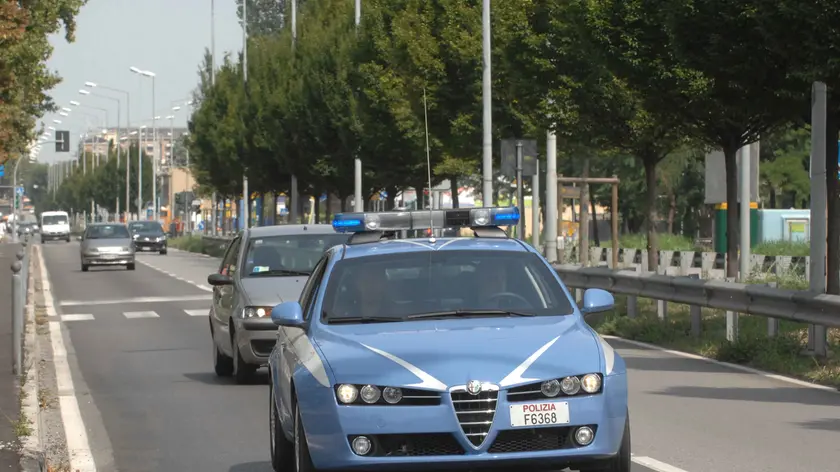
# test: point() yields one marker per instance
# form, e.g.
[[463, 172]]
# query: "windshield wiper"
[[276, 272], [456, 313], [363, 319]]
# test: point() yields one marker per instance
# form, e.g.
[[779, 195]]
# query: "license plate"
[[539, 414], [145, 248]]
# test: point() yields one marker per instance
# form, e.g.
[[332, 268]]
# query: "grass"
[[674, 242], [22, 427], [191, 243], [781, 354]]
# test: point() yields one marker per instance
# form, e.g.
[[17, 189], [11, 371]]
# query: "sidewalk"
[[9, 406]]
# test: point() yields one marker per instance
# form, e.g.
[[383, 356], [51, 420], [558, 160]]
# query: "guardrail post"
[[17, 319], [632, 306], [731, 321], [578, 295], [25, 266], [772, 323], [696, 314], [662, 305]]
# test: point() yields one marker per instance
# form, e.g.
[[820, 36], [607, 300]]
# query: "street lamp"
[[128, 126], [151, 75]]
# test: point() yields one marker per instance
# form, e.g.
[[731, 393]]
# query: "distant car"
[[55, 225], [148, 236], [27, 228], [443, 353], [106, 244], [261, 267]]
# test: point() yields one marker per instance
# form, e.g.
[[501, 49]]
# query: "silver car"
[[106, 244], [262, 267]]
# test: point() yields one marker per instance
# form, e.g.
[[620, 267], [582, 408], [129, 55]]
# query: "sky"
[[167, 37]]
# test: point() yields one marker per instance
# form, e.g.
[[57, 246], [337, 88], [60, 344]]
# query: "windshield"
[[54, 220], [451, 283], [146, 227], [294, 254], [107, 232]]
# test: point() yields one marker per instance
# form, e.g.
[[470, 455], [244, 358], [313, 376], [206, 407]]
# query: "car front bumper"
[[108, 259], [255, 338], [430, 437], [149, 246], [54, 235]]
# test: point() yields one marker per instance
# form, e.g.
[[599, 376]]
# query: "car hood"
[[270, 291], [443, 353], [96, 243]]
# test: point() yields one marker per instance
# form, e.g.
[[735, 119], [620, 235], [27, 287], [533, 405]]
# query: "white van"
[[55, 225]]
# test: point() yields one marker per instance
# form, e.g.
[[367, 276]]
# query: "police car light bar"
[[426, 219]]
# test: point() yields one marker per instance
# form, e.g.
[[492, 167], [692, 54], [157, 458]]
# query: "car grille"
[[533, 439], [415, 445], [475, 413]]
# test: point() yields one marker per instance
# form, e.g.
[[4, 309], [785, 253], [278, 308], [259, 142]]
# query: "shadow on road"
[[209, 378], [827, 424], [675, 364]]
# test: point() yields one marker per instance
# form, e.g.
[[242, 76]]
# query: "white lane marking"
[[132, 315], [202, 312], [427, 380], [129, 301], [78, 446], [742, 368], [515, 377], [204, 287], [76, 317], [656, 465]]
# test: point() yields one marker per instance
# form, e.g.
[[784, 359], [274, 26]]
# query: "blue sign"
[[2, 170], [19, 191], [149, 213], [201, 225]]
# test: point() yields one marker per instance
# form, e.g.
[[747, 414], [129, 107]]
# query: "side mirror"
[[287, 314], [596, 300], [219, 279]]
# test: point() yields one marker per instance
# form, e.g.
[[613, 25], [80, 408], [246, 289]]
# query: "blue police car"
[[442, 354]]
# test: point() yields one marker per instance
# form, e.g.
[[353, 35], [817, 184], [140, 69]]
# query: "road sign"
[[529, 157], [2, 170], [62, 141], [570, 192], [20, 191]]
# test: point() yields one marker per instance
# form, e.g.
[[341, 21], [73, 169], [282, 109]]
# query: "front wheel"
[[222, 364], [243, 372], [282, 452], [130, 266], [85, 267], [303, 460]]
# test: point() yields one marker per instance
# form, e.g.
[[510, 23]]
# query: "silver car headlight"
[[160, 238], [255, 312], [125, 249]]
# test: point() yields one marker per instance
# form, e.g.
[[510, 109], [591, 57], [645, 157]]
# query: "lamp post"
[[152, 75], [128, 126]]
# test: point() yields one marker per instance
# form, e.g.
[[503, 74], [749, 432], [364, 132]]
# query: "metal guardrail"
[[779, 303], [20, 286]]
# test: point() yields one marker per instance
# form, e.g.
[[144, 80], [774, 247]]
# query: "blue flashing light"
[[425, 219]]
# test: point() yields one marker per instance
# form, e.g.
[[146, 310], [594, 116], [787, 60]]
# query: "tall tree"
[[265, 17]]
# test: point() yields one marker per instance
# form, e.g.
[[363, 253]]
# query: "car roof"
[[394, 246], [100, 223], [285, 230]]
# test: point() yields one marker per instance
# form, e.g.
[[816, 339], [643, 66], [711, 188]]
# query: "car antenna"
[[428, 166]]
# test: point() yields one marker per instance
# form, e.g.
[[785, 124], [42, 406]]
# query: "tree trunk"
[[832, 194], [328, 205], [772, 198], [672, 211], [456, 202], [316, 208], [391, 198], [649, 162], [730, 159], [595, 236]]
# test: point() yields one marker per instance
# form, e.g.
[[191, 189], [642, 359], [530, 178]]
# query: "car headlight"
[[255, 312], [348, 394], [591, 383], [160, 238], [125, 249]]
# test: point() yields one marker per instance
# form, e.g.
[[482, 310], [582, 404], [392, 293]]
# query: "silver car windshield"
[[294, 254], [107, 232]]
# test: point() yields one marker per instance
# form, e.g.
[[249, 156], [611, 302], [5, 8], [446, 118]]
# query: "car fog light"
[[370, 394], [392, 395], [570, 385], [584, 435], [347, 393], [591, 383], [550, 388], [361, 445]]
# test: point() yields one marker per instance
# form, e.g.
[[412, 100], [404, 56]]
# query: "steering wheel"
[[510, 295]]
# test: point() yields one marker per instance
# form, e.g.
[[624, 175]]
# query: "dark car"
[[148, 236]]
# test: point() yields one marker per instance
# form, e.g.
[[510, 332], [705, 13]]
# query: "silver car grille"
[[475, 412]]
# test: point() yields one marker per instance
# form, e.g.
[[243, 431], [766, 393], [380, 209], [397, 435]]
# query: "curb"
[[32, 457]]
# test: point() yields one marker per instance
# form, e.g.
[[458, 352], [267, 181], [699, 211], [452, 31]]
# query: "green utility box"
[[720, 227]]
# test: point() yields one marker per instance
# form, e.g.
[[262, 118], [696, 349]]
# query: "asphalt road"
[[150, 401]]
